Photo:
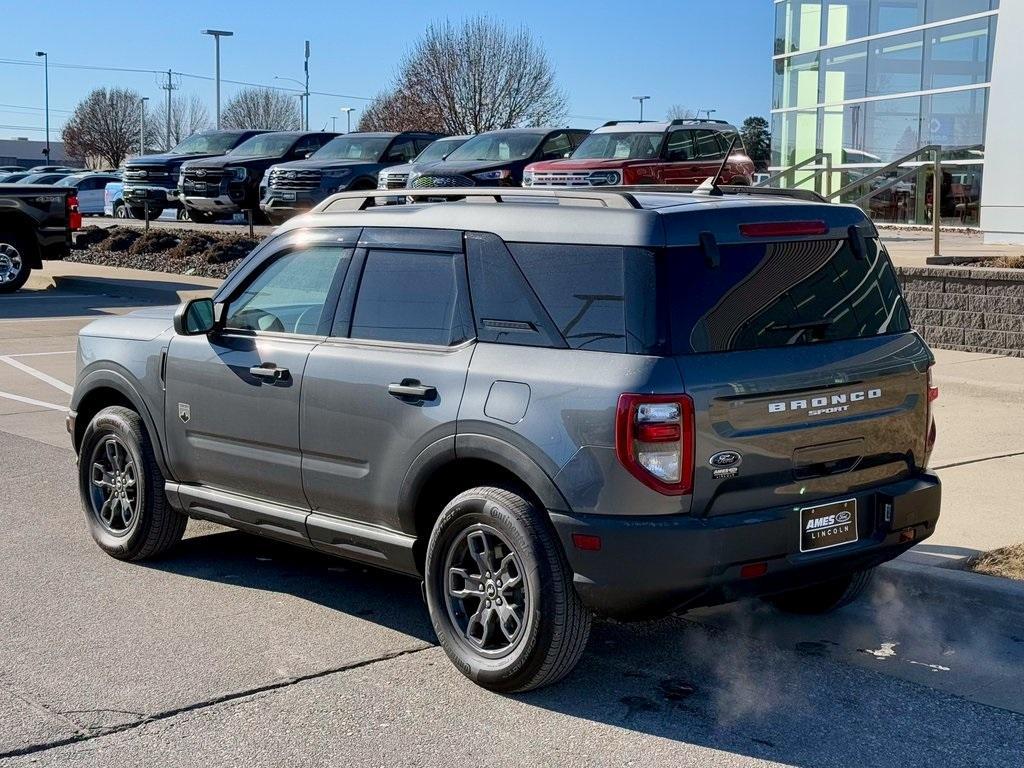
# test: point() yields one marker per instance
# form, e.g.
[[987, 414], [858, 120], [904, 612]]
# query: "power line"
[[34, 109]]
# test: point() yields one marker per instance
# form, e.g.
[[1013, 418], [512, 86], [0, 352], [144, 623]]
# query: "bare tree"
[[681, 112], [401, 109], [188, 115], [262, 108], [472, 77], [104, 126]]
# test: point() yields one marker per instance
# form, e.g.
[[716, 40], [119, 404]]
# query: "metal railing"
[[791, 173]]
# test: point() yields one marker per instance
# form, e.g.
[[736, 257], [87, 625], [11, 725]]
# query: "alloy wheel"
[[114, 488], [11, 263], [485, 591]]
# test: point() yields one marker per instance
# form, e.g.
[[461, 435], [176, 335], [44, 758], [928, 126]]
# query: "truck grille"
[[295, 179], [202, 182], [444, 181], [145, 174], [561, 179], [395, 180]]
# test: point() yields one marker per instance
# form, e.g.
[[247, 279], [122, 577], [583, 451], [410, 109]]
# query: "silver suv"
[[544, 404]]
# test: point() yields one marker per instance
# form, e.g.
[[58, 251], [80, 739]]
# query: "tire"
[[121, 211], [14, 262], [542, 640], [182, 215], [825, 597], [143, 525], [200, 217]]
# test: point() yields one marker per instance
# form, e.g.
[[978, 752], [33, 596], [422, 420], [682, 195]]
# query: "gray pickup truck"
[[36, 222], [546, 404]]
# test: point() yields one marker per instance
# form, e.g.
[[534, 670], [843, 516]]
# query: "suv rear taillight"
[[74, 215], [930, 435], [654, 440]]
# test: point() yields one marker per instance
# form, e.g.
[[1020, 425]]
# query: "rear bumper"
[[652, 565]]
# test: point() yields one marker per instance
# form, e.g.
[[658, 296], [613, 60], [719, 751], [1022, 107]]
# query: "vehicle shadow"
[[718, 682], [54, 303]]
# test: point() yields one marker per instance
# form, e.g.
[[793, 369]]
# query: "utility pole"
[[217, 34], [169, 86], [334, 123], [142, 125], [641, 99], [46, 97], [306, 65]]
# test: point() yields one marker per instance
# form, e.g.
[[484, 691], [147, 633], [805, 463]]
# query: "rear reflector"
[[586, 542], [753, 570], [784, 228], [933, 394], [657, 433]]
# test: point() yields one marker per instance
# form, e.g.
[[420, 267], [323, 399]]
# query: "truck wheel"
[[14, 266], [824, 597], [122, 489], [121, 211], [500, 593]]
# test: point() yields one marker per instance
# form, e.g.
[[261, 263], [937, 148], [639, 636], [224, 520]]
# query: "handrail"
[[791, 171], [889, 184], [894, 165]]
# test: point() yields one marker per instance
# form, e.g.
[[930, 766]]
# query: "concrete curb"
[[167, 292], [944, 584]]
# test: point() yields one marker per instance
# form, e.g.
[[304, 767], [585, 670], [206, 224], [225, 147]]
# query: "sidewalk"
[[121, 282], [912, 247]]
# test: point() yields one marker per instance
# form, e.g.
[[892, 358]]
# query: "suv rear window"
[[778, 294]]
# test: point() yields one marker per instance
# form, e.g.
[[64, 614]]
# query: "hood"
[[403, 168], [222, 161], [147, 161], [464, 167], [595, 164], [312, 164], [140, 325]]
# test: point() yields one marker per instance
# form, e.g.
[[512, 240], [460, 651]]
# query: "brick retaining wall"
[[978, 309]]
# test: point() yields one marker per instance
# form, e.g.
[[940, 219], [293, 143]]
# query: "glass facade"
[[870, 81]]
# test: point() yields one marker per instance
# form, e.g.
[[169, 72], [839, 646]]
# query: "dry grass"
[[1006, 262], [1007, 562]]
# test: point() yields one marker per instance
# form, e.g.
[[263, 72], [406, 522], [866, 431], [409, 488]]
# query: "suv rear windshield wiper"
[[817, 327]]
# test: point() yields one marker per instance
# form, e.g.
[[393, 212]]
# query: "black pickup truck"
[[36, 222]]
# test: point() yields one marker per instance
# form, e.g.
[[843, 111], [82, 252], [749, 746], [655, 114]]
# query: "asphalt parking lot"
[[236, 650]]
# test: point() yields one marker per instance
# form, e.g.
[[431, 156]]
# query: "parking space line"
[[40, 354], [30, 401], [56, 383]]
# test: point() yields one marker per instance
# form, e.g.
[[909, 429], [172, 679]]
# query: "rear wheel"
[[14, 266], [500, 593], [824, 597], [122, 490]]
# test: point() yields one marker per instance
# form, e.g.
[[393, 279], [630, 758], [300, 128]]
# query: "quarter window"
[[556, 146], [411, 297], [290, 294]]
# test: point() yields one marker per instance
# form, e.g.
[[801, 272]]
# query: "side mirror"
[[196, 317], [309, 154]]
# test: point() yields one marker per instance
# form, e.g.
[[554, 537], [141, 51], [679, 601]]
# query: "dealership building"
[[859, 84]]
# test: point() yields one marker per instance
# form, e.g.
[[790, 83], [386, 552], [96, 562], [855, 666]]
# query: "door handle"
[[269, 371], [411, 389]]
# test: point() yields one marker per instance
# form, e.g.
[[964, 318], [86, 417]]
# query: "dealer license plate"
[[284, 195], [828, 525]]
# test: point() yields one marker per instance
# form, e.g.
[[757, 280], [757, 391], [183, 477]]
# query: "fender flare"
[[25, 224], [109, 378]]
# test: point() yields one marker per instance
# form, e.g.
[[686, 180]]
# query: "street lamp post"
[[142, 125], [641, 99], [306, 67], [46, 97], [348, 118], [303, 100], [217, 34]]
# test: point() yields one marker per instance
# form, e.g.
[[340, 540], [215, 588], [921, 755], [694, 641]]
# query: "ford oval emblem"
[[843, 517], [725, 459]]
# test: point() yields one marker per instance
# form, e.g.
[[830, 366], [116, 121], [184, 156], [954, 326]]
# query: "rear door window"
[[765, 295], [708, 146], [680, 146]]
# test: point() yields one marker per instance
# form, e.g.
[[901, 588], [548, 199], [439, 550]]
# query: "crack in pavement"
[[83, 735], [965, 462]]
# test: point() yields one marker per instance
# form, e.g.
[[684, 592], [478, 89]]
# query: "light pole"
[[334, 123], [709, 112], [306, 67], [303, 99], [142, 125], [46, 97], [641, 99], [217, 34], [348, 118]]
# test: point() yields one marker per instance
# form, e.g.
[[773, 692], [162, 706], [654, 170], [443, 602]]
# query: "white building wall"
[[1002, 195]]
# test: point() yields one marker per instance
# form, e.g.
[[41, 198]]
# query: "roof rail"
[[694, 120], [726, 189], [360, 201], [617, 122]]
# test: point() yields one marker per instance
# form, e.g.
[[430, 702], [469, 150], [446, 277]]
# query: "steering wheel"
[[259, 320]]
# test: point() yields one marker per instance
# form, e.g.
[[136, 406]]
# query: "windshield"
[[504, 145], [439, 149], [208, 143], [368, 148], [264, 145], [620, 146]]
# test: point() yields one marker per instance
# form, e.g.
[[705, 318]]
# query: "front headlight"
[[412, 177], [337, 173], [237, 174], [527, 178], [605, 178], [504, 173], [382, 180]]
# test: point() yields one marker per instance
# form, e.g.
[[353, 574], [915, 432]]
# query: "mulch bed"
[[181, 251]]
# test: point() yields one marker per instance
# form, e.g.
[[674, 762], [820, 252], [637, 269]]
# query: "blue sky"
[[697, 53]]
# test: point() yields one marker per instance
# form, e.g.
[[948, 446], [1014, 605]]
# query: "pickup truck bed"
[[36, 222]]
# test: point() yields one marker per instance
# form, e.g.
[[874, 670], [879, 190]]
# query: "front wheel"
[[14, 266], [121, 211], [500, 593], [824, 597], [122, 490]]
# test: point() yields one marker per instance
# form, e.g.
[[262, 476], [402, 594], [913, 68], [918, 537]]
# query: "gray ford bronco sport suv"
[[543, 403]]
